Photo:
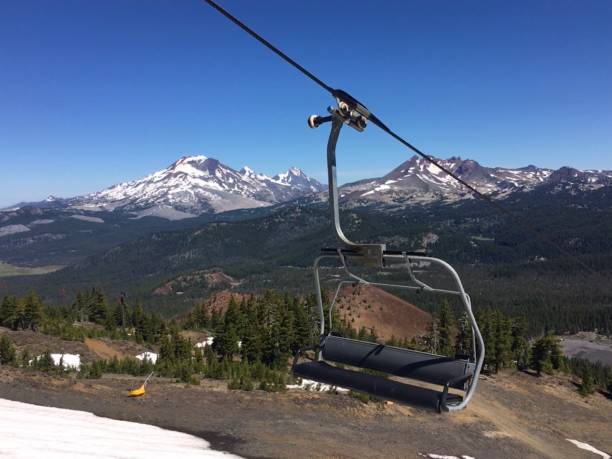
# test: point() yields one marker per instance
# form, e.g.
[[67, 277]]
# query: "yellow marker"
[[137, 392], [141, 390]]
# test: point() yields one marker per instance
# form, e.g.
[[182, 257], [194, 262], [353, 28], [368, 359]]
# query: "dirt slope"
[[369, 306], [514, 415], [107, 349], [36, 343]]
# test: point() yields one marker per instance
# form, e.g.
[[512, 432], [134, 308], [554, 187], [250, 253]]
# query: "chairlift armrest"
[[447, 385]]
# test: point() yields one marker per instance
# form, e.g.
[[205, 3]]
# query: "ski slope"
[[32, 431]]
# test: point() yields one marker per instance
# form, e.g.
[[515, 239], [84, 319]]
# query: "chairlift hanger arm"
[[358, 107]]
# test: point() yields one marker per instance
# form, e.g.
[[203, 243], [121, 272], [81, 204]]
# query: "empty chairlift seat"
[[430, 368], [422, 366]]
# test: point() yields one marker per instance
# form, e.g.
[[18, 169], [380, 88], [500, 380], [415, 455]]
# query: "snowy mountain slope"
[[417, 181], [196, 184]]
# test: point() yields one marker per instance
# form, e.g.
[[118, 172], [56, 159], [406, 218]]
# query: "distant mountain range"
[[417, 181], [188, 187], [196, 185], [265, 231]]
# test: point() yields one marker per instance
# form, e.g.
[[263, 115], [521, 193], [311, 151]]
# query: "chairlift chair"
[[457, 373]]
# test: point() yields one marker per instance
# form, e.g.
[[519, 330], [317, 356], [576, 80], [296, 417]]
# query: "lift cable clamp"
[[352, 112]]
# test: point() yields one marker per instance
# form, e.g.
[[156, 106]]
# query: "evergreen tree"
[[303, 327], [446, 330], [463, 341], [116, 315], [98, 310], [503, 341], [80, 307], [431, 341], [546, 355], [45, 362], [7, 351], [487, 327], [252, 345], [9, 315], [587, 387], [32, 311], [520, 345], [25, 358]]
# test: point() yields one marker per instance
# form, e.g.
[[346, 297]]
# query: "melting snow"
[[43, 221], [207, 342], [86, 218], [13, 229], [588, 447], [150, 356], [67, 360], [308, 384], [31, 431], [443, 456], [433, 169]]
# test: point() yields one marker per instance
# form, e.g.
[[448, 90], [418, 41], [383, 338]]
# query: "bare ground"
[[514, 415]]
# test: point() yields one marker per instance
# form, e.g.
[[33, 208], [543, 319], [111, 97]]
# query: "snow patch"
[[444, 456], [588, 447], [68, 361], [43, 221], [308, 384], [150, 356], [167, 212], [32, 431], [207, 342], [13, 229], [87, 218]]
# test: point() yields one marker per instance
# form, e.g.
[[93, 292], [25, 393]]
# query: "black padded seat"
[[373, 385], [397, 361]]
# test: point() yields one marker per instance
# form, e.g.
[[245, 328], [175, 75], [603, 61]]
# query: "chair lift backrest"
[[432, 368]]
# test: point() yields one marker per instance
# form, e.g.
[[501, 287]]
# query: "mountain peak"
[[190, 159], [196, 184], [417, 181]]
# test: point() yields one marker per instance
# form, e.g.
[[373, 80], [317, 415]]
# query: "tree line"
[[257, 335]]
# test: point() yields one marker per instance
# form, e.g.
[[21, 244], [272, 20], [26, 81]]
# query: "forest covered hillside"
[[502, 265]]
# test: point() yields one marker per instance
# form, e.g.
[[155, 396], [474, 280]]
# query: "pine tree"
[[286, 335], [252, 345], [487, 327], [25, 358], [32, 311], [7, 351], [587, 387], [463, 341], [546, 355], [303, 327], [80, 307], [432, 339], [98, 310], [520, 345], [45, 362], [9, 312], [446, 330], [503, 341]]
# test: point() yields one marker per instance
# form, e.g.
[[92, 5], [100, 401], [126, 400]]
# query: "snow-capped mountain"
[[196, 184], [417, 181]]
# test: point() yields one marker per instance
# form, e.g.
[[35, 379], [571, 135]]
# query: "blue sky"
[[100, 91]]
